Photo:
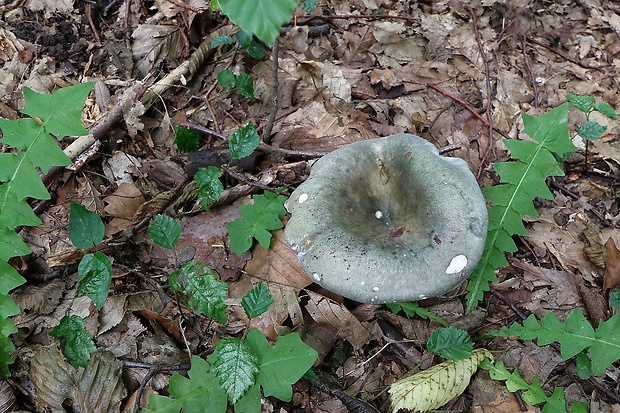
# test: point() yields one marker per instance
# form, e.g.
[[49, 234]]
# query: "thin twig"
[[565, 56], [526, 59], [153, 369], [274, 91]]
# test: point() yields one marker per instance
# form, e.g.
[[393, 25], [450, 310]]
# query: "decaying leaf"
[[611, 278], [434, 387]]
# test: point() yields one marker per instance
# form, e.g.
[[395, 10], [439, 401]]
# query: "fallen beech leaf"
[[611, 278], [436, 386]]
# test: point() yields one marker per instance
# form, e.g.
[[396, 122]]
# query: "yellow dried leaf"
[[434, 387]]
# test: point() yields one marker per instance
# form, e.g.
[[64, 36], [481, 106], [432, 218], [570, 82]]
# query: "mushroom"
[[388, 220]]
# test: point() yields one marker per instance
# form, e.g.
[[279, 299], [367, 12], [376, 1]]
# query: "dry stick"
[[529, 70], [153, 369], [274, 91], [305, 19], [567, 57], [487, 79]]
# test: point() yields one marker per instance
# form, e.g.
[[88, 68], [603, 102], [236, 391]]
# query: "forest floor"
[[448, 71]]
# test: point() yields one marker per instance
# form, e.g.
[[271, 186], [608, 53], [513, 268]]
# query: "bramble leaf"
[[591, 131], [202, 288], [258, 220], [186, 140], [245, 85], [235, 367], [606, 109], [77, 343], [451, 343], [583, 103], [522, 181], [257, 300], [210, 187], [243, 142], [85, 227], [165, 231], [94, 276]]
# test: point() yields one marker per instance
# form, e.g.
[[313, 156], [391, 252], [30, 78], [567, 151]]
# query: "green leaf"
[[249, 46], [309, 5], [606, 109], [258, 220], [614, 298], [21, 177], [257, 300], [281, 365], [226, 78], [451, 343], [94, 276], [220, 41], [243, 142], [235, 367], [186, 140], [244, 38], [11, 245], [264, 18], [413, 309], [61, 112], [584, 366], [575, 334], [85, 227], [77, 343], [202, 288], [200, 393], [165, 231], [578, 407], [210, 187], [591, 131], [245, 85], [522, 181], [15, 212], [583, 103]]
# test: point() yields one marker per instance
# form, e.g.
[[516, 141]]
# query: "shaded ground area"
[[457, 74]]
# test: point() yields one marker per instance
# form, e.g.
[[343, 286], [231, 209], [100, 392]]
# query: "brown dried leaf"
[[611, 278]]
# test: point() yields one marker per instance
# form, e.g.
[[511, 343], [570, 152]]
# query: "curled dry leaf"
[[611, 278], [436, 386]]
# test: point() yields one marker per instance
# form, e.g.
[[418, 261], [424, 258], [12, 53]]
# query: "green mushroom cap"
[[388, 220]]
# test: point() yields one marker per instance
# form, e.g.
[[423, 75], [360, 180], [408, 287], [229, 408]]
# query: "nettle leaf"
[[245, 85], [263, 18], [522, 181], [583, 103], [606, 109], [258, 220], [165, 231], [235, 367], [210, 187], [243, 142], [575, 334], [414, 309], [77, 343], [200, 393], [451, 343], [85, 227], [94, 277], [257, 300], [202, 288], [591, 131], [436, 386], [532, 393], [281, 365], [186, 140]]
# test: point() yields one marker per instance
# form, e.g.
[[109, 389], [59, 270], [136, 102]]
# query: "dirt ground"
[[449, 71]]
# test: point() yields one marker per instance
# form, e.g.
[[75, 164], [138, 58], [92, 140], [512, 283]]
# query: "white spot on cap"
[[363, 282], [375, 288], [302, 198], [457, 264], [317, 277], [379, 214]]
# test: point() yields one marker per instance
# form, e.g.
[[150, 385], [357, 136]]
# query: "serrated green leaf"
[[235, 367], [77, 343], [591, 131], [245, 85], [606, 109], [186, 140], [210, 187], [94, 277], [281, 365], [226, 78], [258, 220], [523, 181], [583, 103], [202, 288], [200, 393], [614, 298], [165, 231], [220, 41], [244, 38], [61, 112], [257, 300], [243, 142], [263, 18], [413, 309], [451, 343], [436, 386], [85, 227], [308, 5]]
